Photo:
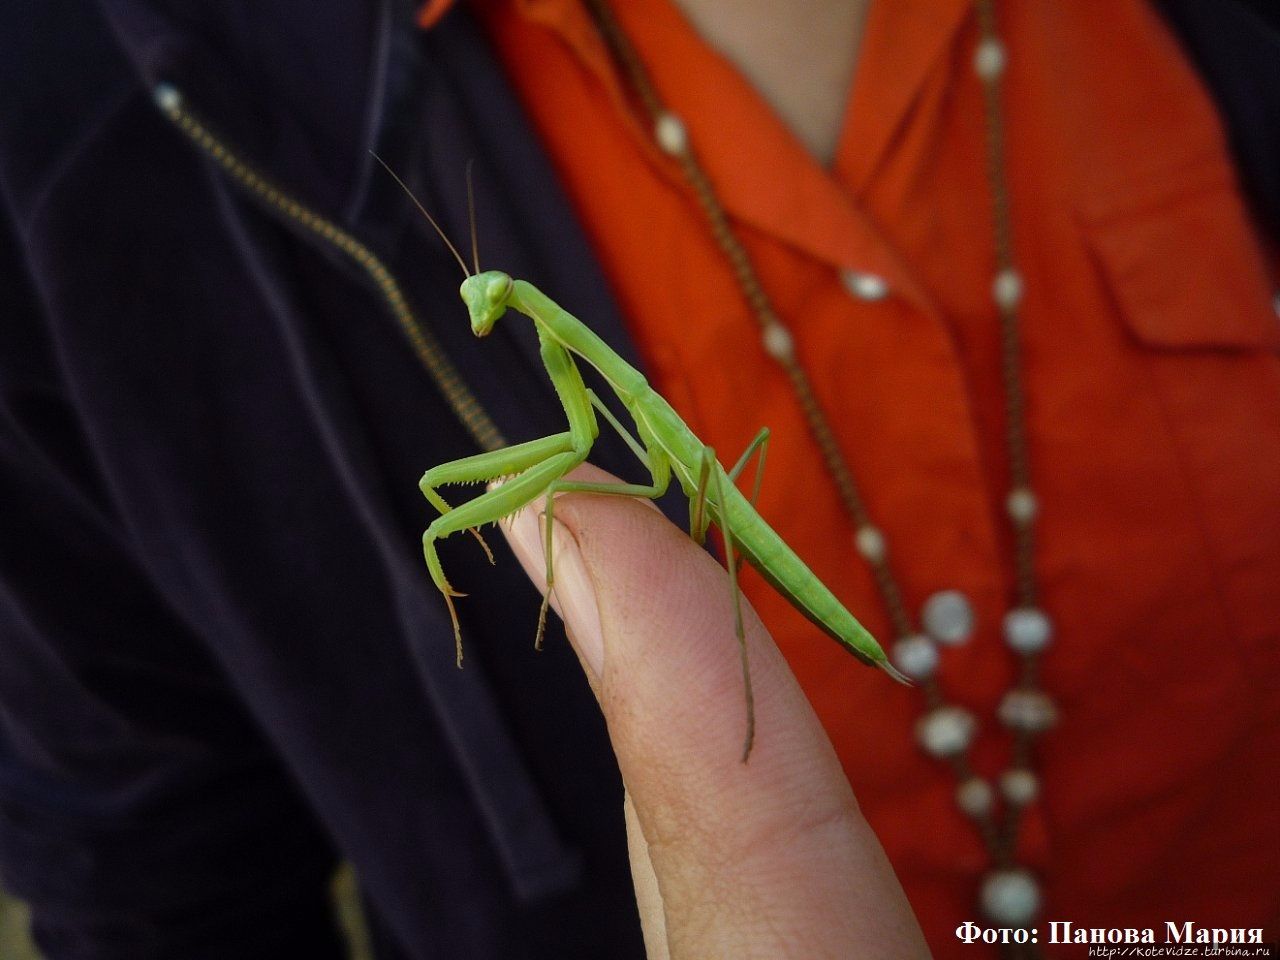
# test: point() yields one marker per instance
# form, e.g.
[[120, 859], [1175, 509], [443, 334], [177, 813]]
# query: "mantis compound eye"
[[499, 288]]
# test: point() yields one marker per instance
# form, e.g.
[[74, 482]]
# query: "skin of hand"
[[770, 858]]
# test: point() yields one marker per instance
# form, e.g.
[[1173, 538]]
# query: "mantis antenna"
[[430, 219], [471, 216]]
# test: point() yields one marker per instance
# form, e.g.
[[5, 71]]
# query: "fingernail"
[[575, 593]]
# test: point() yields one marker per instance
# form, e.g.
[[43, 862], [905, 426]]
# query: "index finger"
[[773, 850]]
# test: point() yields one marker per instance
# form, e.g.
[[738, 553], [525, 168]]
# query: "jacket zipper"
[[463, 402]]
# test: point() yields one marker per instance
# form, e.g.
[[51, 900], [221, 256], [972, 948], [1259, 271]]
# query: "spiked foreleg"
[[482, 467], [489, 466], [494, 504]]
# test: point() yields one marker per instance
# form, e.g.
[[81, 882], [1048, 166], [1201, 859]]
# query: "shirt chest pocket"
[[1216, 297], [1196, 305]]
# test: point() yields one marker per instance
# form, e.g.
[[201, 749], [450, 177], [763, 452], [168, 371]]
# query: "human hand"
[[768, 858]]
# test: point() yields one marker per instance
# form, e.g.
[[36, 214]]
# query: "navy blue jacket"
[[222, 664], [221, 661]]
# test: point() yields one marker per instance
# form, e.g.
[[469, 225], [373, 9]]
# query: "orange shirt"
[[1153, 413]]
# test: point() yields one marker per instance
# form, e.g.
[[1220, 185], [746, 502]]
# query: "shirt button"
[[864, 286], [948, 617]]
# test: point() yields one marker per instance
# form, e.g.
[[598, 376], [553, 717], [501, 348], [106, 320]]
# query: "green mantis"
[[664, 445]]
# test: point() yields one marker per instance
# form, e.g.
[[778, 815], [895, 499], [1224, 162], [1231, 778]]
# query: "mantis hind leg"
[[761, 444], [698, 518], [660, 471], [710, 475], [492, 505]]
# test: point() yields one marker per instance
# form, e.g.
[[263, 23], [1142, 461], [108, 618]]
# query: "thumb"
[[767, 858]]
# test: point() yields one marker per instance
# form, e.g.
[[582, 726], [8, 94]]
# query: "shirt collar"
[[817, 213], [911, 39]]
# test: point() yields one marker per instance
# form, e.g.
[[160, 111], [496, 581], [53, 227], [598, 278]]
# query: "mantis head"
[[485, 295], [484, 292]]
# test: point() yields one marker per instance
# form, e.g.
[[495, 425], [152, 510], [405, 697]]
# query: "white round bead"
[[870, 543], [864, 286], [1029, 710], [1010, 897], [948, 617], [975, 797], [1027, 629], [670, 133], [1019, 787], [945, 731], [916, 656], [777, 341], [989, 59], [1022, 506], [1006, 289], [167, 97]]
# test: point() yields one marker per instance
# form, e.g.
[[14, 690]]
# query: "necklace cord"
[[1026, 710]]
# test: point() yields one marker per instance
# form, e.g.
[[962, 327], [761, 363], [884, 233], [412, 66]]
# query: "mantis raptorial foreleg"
[[482, 467], [488, 466], [494, 504]]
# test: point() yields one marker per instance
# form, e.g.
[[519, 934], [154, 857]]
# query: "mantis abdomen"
[[761, 547]]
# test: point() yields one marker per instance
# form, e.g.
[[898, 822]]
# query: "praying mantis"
[[663, 443]]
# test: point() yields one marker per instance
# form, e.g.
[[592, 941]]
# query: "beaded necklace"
[[1009, 893]]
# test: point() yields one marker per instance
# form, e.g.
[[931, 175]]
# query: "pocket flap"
[[1218, 295]]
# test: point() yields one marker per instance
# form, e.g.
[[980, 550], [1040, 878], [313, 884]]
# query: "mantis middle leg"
[[711, 475], [660, 473], [636, 446]]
